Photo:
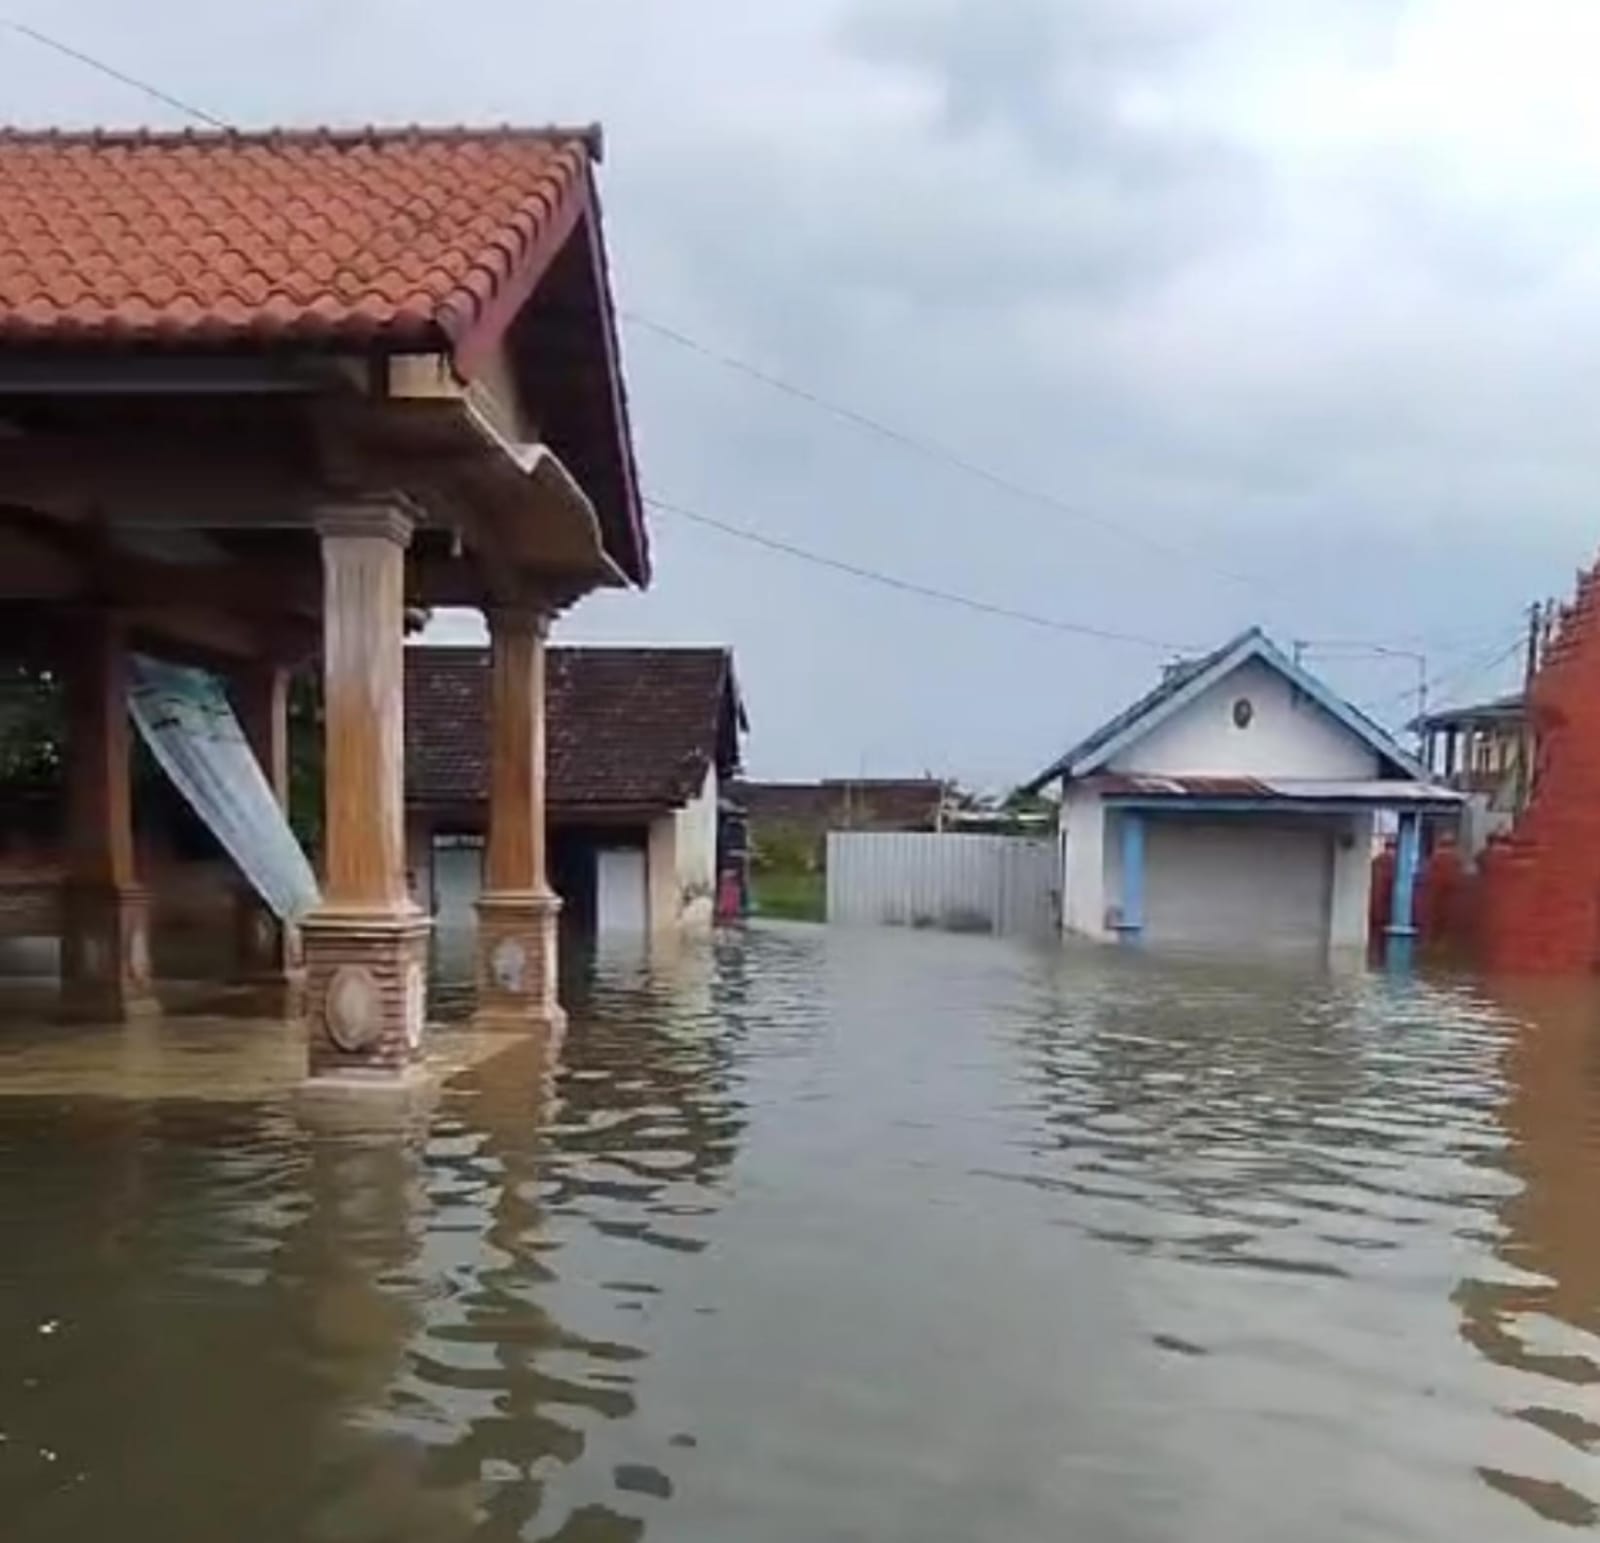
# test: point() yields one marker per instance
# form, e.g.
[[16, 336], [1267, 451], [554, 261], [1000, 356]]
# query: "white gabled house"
[[1234, 807]]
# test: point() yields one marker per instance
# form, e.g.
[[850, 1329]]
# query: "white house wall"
[[1352, 886], [683, 864], [1083, 891], [1288, 735], [696, 842]]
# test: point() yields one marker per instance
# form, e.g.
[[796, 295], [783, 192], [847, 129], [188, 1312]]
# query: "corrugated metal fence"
[[959, 883]]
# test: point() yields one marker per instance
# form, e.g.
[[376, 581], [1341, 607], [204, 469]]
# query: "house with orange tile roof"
[[263, 396]]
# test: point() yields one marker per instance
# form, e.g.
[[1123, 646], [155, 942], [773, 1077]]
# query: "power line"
[[103, 68], [1478, 665], [932, 449], [1474, 669], [925, 447], [909, 586]]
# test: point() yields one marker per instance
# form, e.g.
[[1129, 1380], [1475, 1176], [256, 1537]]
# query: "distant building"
[[1483, 751], [1233, 806], [809, 810], [641, 742]]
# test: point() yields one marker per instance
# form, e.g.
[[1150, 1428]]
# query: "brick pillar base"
[[366, 994], [269, 959], [516, 969], [105, 954]]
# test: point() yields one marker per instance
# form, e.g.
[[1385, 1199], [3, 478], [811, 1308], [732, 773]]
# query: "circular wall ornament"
[[1244, 712], [416, 1004], [352, 1010], [509, 965]]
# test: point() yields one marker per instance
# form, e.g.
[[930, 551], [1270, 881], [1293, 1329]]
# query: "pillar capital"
[[384, 516], [528, 620]]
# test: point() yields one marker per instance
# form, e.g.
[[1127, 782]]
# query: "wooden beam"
[[210, 632], [105, 954], [83, 560], [99, 809], [174, 462]]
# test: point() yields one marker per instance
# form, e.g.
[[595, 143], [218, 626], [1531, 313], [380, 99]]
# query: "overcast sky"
[[1293, 309]]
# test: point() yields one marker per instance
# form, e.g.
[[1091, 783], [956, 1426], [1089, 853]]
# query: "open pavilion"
[[261, 395]]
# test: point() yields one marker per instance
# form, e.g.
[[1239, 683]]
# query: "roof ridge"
[[1182, 679], [590, 135]]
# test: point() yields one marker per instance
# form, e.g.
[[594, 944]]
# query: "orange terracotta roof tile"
[[401, 238]]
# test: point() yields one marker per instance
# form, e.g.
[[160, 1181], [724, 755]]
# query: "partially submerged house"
[[641, 744], [259, 395], [1234, 806]]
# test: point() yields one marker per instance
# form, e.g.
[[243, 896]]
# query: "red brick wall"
[[1541, 885]]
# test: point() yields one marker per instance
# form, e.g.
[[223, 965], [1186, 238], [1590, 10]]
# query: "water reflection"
[[1539, 1315], [826, 1236]]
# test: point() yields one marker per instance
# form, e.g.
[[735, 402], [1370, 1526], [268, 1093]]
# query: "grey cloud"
[[1047, 233]]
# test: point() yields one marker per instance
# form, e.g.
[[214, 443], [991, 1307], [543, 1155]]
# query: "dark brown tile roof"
[[628, 728], [402, 237], [861, 803]]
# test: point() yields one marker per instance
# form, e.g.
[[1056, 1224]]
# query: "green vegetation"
[[786, 876], [799, 897], [33, 741], [31, 728]]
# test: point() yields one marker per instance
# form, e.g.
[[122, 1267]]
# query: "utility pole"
[[1530, 668]]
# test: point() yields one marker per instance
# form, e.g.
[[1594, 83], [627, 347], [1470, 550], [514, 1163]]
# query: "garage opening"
[[1239, 884]]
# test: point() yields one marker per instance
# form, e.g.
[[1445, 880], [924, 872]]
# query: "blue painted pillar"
[[1132, 922], [1402, 906]]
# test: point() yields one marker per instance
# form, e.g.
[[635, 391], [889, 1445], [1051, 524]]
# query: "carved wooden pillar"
[[268, 951], [105, 943], [366, 945], [516, 969]]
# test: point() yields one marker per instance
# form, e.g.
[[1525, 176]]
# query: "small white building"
[[1234, 807]]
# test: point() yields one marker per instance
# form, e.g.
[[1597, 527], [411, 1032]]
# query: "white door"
[[621, 877], [457, 883], [1242, 885]]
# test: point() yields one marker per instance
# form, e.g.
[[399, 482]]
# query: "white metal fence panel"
[[958, 883]]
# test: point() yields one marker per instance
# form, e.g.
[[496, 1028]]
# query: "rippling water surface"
[[820, 1236]]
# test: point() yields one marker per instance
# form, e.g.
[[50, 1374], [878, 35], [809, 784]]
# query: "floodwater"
[[826, 1236]]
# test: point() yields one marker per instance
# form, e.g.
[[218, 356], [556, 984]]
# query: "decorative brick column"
[[268, 955], [105, 935], [1540, 889], [366, 944], [517, 912]]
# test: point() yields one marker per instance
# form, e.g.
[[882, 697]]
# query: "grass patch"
[[790, 895]]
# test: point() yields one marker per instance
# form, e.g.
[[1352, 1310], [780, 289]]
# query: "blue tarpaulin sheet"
[[187, 721]]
